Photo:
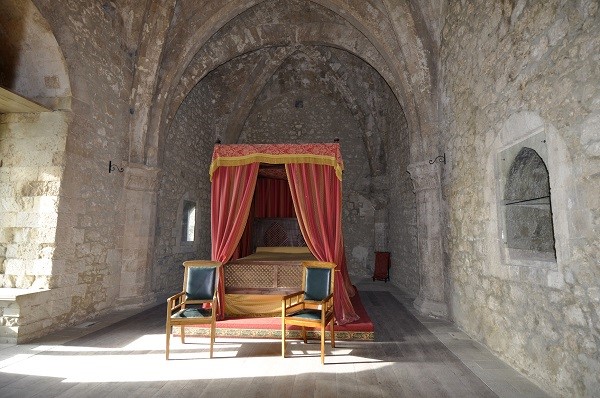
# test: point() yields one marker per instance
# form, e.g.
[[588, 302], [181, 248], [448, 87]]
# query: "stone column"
[[427, 183], [140, 197]]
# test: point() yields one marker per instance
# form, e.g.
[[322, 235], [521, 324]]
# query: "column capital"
[[425, 176], [139, 177]]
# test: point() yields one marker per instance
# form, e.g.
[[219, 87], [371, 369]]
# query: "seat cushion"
[[193, 313], [307, 314]]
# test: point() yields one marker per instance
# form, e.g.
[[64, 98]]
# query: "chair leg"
[[332, 334], [182, 334], [212, 338], [323, 345], [282, 338], [168, 334], [304, 334]]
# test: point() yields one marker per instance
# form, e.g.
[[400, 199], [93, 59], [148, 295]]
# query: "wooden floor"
[[410, 358]]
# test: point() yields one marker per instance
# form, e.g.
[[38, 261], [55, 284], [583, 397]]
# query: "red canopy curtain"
[[244, 248], [231, 197], [273, 199], [317, 195]]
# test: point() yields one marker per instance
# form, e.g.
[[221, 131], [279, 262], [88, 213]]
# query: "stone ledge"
[[20, 308], [10, 293]]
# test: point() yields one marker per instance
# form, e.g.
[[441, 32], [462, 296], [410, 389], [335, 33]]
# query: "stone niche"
[[525, 208]]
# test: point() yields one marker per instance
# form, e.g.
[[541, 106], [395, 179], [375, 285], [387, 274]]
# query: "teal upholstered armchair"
[[313, 306], [188, 307]]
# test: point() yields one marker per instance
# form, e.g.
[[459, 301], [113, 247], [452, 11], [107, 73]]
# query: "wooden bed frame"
[[271, 271]]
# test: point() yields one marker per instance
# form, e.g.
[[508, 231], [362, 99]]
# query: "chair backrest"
[[317, 281], [200, 279]]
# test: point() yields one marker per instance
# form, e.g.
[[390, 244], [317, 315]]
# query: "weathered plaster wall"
[[511, 69]]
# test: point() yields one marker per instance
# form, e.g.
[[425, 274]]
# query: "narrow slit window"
[[188, 223]]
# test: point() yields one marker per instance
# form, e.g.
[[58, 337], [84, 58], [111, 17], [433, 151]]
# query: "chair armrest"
[[175, 301], [328, 298], [175, 296], [292, 301], [289, 296], [327, 304]]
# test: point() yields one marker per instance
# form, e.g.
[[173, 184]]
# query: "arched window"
[[188, 221]]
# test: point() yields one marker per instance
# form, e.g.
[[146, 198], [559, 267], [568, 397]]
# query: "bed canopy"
[[314, 174]]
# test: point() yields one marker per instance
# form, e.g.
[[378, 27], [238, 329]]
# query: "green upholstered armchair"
[[313, 306], [188, 307]]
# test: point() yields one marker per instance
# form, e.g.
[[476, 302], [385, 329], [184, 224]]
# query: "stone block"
[[8, 220], [574, 316], [27, 220], [11, 205], [50, 173], [555, 279], [24, 174], [45, 204], [40, 267], [41, 188], [14, 266], [7, 189]]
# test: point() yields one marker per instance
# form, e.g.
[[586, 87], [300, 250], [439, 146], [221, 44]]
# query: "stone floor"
[[123, 356]]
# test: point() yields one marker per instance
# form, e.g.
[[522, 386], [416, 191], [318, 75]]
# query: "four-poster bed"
[[313, 173]]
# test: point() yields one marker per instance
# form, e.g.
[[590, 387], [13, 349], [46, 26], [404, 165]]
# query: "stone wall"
[[184, 176], [513, 70], [32, 149], [404, 270], [84, 198]]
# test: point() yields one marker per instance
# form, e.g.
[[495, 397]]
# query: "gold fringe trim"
[[277, 159], [343, 335]]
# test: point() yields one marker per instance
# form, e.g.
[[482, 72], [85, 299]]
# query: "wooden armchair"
[[313, 306], [200, 280]]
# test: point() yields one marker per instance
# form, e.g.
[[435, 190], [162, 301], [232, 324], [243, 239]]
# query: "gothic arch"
[[410, 81]]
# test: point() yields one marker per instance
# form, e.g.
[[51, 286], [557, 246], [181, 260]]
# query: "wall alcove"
[[528, 211]]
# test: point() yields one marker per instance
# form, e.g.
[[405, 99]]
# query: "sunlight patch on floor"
[[144, 360]]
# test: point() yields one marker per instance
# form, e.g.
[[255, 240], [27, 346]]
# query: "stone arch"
[[213, 51], [416, 101], [198, 69], [265, 72], [25, 35], [392, 40], [262, 73]]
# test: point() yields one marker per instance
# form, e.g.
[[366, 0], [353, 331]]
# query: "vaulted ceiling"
[[183, 41]]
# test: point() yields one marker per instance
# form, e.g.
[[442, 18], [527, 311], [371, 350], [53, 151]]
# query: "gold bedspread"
[[277, 254]]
